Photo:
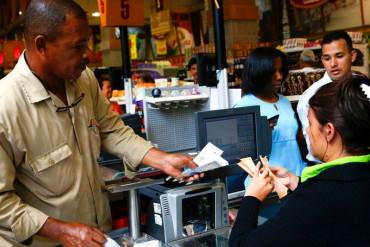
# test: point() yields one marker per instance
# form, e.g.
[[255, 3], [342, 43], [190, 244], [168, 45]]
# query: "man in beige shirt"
[[53, 121]]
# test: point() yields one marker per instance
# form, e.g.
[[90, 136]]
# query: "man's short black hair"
[[46, 17], [337, 35], [192, 61]]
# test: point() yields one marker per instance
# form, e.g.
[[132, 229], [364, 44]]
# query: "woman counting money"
[[329, 204]]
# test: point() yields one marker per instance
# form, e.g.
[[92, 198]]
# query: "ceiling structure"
[[11, 10]]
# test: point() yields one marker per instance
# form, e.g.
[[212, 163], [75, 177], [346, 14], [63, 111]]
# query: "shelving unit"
[[170, 120], [119, 100], [301, 49], [160, 100]]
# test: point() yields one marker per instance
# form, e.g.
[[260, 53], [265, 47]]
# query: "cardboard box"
[[240, 12], [109, 39], [237, 12]]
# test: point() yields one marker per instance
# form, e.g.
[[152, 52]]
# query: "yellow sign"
[[121, 12], [133, 46]]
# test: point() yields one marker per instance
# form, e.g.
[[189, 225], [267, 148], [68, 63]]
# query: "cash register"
[[197, 215]]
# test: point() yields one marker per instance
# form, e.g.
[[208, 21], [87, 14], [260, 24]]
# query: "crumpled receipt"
[[208, 159], [111, 243], [151, 243]]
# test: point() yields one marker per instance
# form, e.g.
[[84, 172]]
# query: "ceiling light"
[[95, 14]]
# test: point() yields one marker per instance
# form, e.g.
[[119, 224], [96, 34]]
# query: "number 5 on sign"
[[121, 12]]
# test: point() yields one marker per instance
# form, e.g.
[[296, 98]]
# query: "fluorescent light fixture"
[[96, 14]]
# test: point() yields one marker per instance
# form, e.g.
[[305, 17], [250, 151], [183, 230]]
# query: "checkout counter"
[[197, 214]]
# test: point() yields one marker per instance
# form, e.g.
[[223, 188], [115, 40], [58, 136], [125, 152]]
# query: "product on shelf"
[[299, 80]]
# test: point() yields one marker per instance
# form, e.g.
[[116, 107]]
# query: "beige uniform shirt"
[[48, 159]]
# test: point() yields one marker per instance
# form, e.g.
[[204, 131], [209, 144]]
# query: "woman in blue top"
[[265, 70]]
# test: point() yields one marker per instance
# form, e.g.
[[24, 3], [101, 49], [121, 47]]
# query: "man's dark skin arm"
[[171, 164], [71, 234]]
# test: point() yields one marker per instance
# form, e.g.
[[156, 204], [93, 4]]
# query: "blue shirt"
[[284, 151]]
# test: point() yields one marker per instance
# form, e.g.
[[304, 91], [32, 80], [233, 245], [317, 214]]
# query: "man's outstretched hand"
[[171, 164]]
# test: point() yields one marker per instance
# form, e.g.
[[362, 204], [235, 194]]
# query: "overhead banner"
[[306, 4], [121, 12]]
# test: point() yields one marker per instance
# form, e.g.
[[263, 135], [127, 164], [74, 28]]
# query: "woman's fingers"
[[264, 173], [256, 170]]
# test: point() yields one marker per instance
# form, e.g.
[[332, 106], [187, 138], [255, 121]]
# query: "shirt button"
[[51, 162]]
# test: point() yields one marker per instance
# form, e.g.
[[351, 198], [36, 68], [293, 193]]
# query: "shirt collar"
[[313, 171], [31, 85], [326, 77]]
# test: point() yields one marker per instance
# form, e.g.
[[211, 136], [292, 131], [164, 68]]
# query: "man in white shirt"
[[337, 57]]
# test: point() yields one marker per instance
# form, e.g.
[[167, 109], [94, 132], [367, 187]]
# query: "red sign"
[[306, 4]]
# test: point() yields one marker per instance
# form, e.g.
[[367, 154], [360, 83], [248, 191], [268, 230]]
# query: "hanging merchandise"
[[161, 47], [133, 45], [298, 81], [160, 22], [137, 42], [181, 35]]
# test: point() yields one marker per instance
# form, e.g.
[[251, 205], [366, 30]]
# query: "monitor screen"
[[198, 214], [232, 130], [239, 132], [235, 135]]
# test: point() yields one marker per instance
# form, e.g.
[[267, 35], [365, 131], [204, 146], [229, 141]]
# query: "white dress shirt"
[[302, 109]]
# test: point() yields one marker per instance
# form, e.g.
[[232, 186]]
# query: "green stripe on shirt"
[[312, 171]]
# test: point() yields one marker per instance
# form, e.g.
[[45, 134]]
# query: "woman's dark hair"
[[259, 69], [347, 107]]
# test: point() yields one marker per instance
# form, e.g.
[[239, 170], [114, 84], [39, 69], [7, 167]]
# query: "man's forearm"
[[154, 158], [51, 229]]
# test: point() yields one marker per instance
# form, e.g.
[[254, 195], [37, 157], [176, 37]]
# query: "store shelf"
[[119, 100], [175, 102], [301, 49], [160, 100]]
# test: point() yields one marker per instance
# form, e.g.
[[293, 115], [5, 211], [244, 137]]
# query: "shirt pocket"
[[51, 158], [54, 170]]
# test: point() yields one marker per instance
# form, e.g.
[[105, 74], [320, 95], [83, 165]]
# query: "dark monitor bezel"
[[263, 140]]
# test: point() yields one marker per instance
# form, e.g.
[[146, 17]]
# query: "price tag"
[[121, 12]]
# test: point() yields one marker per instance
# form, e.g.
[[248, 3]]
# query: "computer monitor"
[[206, 64], [239, 132]]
